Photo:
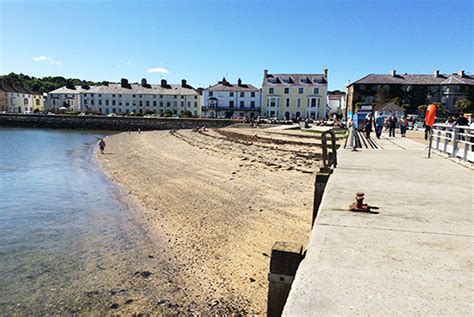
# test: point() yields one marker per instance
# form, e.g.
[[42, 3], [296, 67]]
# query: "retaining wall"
[[108, 123]]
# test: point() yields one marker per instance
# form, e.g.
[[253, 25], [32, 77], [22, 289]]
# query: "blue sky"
[[203, 41]]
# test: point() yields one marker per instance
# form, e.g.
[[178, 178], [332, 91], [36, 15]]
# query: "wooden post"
[[321, 180], [284, 261]]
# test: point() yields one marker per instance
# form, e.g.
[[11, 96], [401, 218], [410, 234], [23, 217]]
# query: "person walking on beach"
[[102, 146], [403, 126], [379, 122], [392, 123]]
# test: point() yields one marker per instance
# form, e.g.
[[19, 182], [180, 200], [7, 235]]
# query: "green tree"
[[381, 97], [464, 105]]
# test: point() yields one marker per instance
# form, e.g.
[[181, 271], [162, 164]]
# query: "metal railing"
[[455, 141], [332, 159]]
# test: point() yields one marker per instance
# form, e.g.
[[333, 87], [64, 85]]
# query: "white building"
[[336, 104], [231, 100], [125, 98]]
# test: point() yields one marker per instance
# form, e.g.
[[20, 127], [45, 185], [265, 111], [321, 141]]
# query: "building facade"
[[226, 100], [287, 96], [413, 90], [336, 104], [125, 98], [17, 99]]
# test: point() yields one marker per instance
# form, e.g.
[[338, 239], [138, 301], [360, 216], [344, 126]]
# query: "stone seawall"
[[108, 123]]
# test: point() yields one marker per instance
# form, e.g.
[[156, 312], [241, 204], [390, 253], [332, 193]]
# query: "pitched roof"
[[391, 107], [16, 88], [226, 86], [134, 89], [294, 79], [415, 79]]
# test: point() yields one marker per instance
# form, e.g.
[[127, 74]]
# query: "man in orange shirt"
[[429, 119]]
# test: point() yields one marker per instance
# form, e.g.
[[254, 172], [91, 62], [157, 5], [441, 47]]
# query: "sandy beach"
[[215, 202]]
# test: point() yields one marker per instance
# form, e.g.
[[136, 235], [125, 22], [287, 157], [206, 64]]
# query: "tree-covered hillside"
[[45, 84]]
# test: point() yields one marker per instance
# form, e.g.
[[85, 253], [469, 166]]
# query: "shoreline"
[[218, 205]]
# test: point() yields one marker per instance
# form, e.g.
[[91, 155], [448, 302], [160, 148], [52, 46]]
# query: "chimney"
[[239, 82], [436, 73], [124, 83], [144, 83], [164, 83], [265, 73], [461, 73], [394, 72], [325, 73], [183, 83]]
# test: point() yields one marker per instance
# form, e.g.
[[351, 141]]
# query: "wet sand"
[[215, 202]]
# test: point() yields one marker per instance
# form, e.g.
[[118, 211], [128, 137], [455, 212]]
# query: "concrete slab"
[[413, 258]]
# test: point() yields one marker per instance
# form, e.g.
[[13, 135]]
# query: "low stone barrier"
[[108, 123]]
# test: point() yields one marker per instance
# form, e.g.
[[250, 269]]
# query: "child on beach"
[[102, 146]]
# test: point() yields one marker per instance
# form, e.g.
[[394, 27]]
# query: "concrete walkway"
[[413, 258]]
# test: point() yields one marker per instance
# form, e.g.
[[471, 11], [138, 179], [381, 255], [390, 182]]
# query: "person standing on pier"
[[430, 117], [368, 125], [403, 126], [102, 146], [392, 123], [379, 121]]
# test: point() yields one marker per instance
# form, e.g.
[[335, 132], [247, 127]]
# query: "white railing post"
[[455, 142]]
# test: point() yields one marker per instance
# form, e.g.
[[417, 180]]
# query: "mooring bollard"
[[322, 178], [284, 261]]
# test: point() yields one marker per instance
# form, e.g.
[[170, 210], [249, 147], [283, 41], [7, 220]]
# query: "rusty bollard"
[[359, 205]]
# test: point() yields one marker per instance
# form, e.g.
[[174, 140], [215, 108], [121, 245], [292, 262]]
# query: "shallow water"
[[68, 241]]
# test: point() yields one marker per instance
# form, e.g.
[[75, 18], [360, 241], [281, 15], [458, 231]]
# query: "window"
[[272, 102], [113, 96], [120, 96], [140, 96], [231, 94], [100, 110], [242, 94], [54, 101], [195, 97], [252, 104], [252, 94], [161, 96], [175, 96], [287, 102], [37, 102], [182, 104], [242, 104], [313, 102], [298, 102], [100, 95], [147, 103], [182, 97], [127, 104], [154, 96], [85, 102], [100, 102], [316, 91], [210, 94], [113, 102], [231, 104], [271, 90], [175, 104], [300, 90], [107, 102], [161, 104], [168, 104], [92, 102], [85, 95], [195, 104], [154, 103], [134, 96], [140, 103], [189, 104], [287, 90]]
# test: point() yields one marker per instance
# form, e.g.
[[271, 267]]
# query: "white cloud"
[[51, 60], [160, 70]]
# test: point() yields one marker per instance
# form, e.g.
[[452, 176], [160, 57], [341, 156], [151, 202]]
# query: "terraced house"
[[126, 98], [228, 100], [413, 90], [287, 96], [17, 99]]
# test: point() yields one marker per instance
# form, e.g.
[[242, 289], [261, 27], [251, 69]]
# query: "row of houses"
[[17, 99], [282, 96]]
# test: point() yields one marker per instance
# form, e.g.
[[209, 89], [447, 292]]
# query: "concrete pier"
[[414, 257]]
